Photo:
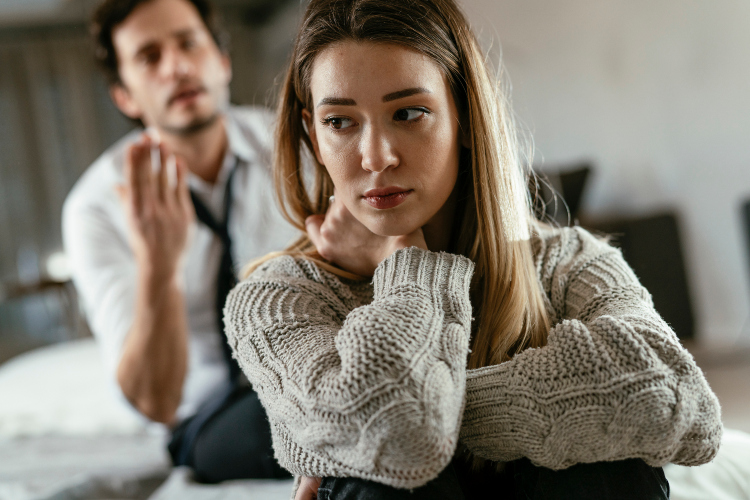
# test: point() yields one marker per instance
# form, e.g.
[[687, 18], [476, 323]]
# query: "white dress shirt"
[[95, 236]]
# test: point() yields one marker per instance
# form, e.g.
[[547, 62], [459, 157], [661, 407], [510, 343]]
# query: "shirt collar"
[[239, 145]]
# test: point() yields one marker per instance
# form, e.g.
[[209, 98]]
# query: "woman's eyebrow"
[[345, 101], [337, 101], [405, 93]]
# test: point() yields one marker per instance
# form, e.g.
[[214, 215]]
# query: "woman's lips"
[[386, 198]]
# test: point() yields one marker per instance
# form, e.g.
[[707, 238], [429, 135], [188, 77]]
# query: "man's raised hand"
[[157, 205]]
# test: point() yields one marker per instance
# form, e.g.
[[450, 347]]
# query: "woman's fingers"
[[313, 224], [308, 488], [322, 235]]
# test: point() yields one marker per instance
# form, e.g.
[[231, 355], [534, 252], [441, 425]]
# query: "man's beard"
[[196, 126]]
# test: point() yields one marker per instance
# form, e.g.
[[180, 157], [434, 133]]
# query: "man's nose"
[[176, 64], [378, 150]]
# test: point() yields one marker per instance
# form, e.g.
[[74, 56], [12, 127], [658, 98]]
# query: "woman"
[[377, 384]]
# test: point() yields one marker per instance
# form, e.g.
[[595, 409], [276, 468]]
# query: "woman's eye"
[[338, 123], [409, 114]]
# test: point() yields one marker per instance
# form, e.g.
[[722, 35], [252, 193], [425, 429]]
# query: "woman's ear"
[[310, 125]]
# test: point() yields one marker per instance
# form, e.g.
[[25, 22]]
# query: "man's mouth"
[[185, 95]]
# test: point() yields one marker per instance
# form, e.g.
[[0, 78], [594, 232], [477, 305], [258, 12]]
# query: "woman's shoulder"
[[299, 273], [292, 272], [572, 261], [283, 266], [553, 246], [563, 253]]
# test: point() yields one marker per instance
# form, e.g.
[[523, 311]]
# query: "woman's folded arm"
[[612, 383], [374, 391]]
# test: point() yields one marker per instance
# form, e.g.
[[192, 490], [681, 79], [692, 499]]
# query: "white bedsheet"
[[111, 467], [62, 390], [726, 478], [181, 486], [77, 467], [63, 436]]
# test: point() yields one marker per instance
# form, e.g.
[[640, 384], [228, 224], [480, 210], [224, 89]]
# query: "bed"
[[65, 436]]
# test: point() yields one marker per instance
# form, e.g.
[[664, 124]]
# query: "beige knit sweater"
[[369, 379]]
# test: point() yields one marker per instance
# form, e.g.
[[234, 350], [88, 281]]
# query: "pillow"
[[62, 389]]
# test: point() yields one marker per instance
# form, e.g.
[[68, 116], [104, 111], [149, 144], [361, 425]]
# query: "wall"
[[656, 94]]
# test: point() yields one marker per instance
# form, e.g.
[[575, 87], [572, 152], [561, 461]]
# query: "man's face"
[[174, 77]]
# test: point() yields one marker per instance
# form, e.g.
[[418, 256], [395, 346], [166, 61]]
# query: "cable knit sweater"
[[370, 380]]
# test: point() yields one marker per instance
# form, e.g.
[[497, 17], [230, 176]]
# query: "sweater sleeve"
[[612, 383], [374, 391]]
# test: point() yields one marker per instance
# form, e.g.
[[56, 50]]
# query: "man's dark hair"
[[112, 13]]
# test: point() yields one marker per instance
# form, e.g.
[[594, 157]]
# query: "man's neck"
[[203, 150]]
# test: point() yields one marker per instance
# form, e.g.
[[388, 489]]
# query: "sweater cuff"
[[438, 272]]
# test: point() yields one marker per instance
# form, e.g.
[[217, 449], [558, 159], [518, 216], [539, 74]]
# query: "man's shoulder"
[[97, 182], [255, 127], [255, 118]]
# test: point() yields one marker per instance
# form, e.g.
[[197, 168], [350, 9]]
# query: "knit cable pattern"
[[368, 390], [369, 380], [612, 383]]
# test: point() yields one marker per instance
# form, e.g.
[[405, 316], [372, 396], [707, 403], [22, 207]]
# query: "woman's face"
[[386, 127]]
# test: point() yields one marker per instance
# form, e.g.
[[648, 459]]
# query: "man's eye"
[[149, 58], [338, 123], [188, 43], [409, 114]]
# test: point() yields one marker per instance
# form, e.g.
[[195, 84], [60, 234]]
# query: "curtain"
[[55, 119]]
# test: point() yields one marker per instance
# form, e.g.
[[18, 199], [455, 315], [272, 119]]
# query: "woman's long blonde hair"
[[494, 218]]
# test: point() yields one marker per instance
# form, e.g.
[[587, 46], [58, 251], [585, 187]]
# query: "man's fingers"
[[138, 175], [162, 173], [181, 189], [122, 193]]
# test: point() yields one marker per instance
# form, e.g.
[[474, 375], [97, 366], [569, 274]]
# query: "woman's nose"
[[378, 150]]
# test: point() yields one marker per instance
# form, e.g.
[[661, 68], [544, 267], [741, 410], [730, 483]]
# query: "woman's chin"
[[387, 226]]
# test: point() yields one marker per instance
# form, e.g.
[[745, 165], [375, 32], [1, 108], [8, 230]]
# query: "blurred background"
[[639, 111], [649, 98], [56, 117]]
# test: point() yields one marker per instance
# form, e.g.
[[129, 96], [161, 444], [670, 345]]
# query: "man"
[[152, 275]]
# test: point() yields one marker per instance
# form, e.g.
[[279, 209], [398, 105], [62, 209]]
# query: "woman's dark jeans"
[[624, 480]]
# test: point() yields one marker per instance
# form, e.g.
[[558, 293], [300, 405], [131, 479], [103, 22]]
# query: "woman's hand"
[[341, 239], [308, 488]]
